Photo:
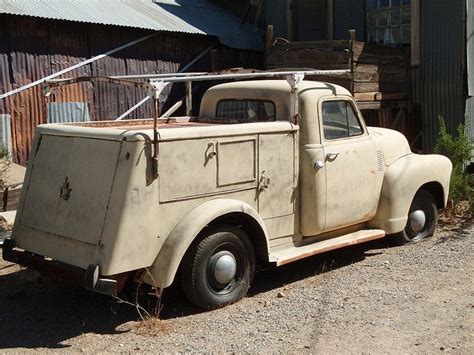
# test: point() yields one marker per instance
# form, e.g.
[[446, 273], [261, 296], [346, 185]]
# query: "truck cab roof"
[[276, 91]]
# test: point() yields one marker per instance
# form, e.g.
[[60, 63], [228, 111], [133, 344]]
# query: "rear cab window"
[[340, 120], [245, 111]]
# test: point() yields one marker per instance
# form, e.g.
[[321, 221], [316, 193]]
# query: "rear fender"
[[166, 265]]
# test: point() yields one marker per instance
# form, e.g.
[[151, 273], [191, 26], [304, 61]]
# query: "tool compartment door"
[[70, 185], [277, 178]]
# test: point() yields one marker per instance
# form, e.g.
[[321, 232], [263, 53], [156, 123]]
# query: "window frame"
[[399, 26], [357, 115], [246, 99]]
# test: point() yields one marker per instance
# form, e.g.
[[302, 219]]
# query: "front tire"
[[422, 219], [217, 270]]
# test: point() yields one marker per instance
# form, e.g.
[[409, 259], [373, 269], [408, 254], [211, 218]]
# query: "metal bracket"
[[155, 90], [294, 80]]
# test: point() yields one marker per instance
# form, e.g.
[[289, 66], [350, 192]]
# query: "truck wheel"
[[218, 269], [422, 219]]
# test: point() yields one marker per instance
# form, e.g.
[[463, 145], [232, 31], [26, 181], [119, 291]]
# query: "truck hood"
[[392, 143]]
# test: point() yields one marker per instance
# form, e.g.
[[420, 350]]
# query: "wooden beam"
[[415, 32], [330, 35]]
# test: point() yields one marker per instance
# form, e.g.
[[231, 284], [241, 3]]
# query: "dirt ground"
[[373, 298]]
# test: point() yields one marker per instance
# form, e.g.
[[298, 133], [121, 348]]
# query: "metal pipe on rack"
[[282, 74]]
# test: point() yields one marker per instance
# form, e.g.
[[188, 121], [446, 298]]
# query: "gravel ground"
[[373, 298]]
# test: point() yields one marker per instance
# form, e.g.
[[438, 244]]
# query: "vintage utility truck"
[[270, 172]]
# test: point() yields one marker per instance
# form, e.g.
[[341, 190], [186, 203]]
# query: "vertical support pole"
[[156, 114], [214, 61], [352, 36], [294, 80], [189, 98], [46, 95], [289, 20]]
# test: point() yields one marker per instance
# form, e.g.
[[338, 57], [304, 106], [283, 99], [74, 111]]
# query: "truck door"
[[350, 165]]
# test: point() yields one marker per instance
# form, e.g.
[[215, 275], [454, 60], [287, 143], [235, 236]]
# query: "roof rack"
[[156, 83]]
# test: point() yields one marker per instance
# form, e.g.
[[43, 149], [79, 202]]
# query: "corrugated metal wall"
[[470, 45], [470, 121], [470, 68], [438, 83], [348, 15], [32, 48]]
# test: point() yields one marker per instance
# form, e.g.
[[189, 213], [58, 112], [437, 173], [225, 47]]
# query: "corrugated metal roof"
[[189, 16]]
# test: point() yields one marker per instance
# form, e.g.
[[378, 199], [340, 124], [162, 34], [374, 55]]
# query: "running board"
[[288, 255]]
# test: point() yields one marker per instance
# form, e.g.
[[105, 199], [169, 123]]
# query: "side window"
[[340, 120], [246, 110]]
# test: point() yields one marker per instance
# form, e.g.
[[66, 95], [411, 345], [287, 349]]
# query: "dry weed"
[[456, 215], [4, 225]]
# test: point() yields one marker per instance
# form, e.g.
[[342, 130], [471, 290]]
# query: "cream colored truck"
[[245, 183]]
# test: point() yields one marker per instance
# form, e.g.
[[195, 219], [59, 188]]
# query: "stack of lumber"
[[380, 72]]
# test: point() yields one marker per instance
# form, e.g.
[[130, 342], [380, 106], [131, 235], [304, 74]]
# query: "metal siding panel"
[[29, 61], [349, 15], [470, 45], [276, 15], [438, 82], [65, 112], [4, 64], [470, 121], [5, 132]]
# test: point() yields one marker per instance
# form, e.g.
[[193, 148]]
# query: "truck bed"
[[145, 124], [175, 128]]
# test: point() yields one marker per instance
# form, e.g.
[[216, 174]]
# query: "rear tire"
[[422, 219], [217, 270]]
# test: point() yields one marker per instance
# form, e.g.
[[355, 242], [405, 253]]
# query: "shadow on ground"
[[34, 315]]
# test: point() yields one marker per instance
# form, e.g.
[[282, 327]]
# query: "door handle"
[[264, 181], [332, 156], [318, 165]]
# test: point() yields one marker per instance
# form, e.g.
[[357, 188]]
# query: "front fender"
[[163, 270], [401, 182]]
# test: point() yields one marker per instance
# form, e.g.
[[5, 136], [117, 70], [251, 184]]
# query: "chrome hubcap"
[[417, 220], [223, 266]]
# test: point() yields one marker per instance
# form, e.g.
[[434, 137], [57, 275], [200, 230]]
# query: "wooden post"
[[415, 32], [269, 37], [214, 62], [289, 20], [352, 37], [330, 35], [189, 98]]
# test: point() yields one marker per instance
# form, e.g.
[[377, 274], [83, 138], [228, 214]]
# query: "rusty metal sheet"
[[30, 52]]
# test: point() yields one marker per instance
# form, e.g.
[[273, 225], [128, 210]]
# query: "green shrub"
[[458, 150]]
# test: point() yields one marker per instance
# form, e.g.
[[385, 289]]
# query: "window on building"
[[388, 21], [246, 110]]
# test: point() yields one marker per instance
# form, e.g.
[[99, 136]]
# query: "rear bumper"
[[88, 279]]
